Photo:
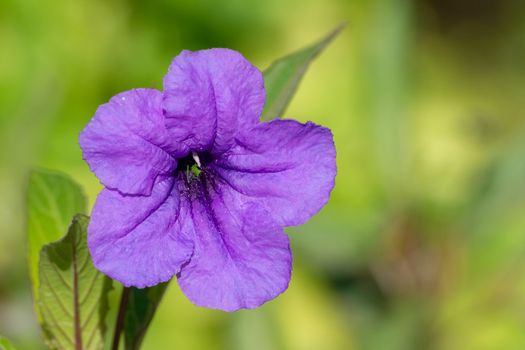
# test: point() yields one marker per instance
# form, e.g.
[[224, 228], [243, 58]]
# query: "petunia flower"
[[196, 186]]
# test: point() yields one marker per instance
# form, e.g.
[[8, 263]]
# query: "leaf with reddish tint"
[[73, 294]]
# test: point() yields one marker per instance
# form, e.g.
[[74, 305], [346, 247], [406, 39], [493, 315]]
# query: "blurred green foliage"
[[423, 243]]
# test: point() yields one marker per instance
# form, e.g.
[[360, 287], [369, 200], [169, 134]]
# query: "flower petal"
[[208, 95], [138, 240], [241, 258], [287, 167], [125, 144]]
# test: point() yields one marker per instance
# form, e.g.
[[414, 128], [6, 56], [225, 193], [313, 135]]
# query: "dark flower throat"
[[188, 165]]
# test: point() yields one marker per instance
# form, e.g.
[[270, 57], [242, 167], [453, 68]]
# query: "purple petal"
[[125, 144], [209, 95], [241, 258], [137, 240], [287, 167]]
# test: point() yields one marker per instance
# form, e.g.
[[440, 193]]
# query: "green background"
[[422, 245]]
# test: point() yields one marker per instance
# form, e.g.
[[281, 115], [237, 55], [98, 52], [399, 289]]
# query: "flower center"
[[192, 165]]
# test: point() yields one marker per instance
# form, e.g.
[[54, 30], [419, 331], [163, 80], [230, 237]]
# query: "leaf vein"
[[58, 299]]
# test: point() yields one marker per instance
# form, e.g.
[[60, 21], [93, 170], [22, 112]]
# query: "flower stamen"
[[196, 159]]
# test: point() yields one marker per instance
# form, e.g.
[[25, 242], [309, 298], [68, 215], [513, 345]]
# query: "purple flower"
[[196, 186]]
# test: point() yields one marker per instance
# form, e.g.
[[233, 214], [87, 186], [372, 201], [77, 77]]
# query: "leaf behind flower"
[[142, 305], [283, 76], [73, 293], [52, 201]]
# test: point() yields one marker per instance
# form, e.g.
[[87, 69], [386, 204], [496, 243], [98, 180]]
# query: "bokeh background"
[[422, 245]]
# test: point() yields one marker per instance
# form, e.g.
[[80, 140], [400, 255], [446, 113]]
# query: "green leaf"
[[283, 76], [73, 294], [5, 344], [52, 201], [142, 305]]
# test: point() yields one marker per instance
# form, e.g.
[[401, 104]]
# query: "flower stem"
[[119, 324]]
